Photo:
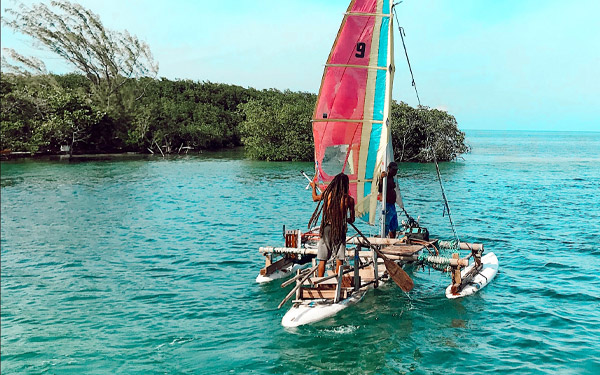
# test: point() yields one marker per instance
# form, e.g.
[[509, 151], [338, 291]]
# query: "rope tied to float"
[[441, 261]]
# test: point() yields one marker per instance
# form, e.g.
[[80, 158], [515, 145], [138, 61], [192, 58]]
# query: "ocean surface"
[[148, 266]]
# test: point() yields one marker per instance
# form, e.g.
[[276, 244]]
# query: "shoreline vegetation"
[[50, 114], [112, 102]]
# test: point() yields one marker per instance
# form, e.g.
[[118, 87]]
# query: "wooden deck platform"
[[402, 249], [325, 287]]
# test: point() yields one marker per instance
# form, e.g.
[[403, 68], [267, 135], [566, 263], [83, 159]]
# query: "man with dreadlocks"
[[335, 203]]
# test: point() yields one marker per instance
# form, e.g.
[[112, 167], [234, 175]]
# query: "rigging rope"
[[437, 168], [446, 205], [402, 35]]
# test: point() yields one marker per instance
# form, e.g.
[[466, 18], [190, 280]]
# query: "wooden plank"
[[315, 293], [280, 264], [346, 281], [327, 280], [366, 274], [398, 275], [403, 258]]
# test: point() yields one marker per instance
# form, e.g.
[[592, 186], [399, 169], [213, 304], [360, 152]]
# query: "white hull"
[[280, 274], [316, 310], [484, 277]]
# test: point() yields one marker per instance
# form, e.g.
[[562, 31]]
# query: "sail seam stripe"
[[345, 120], [367, 14], [357, 66], [325, 183]]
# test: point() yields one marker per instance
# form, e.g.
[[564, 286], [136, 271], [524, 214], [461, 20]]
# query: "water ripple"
[[148, 266]]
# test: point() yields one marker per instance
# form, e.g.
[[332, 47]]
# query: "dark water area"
[[147, 266]]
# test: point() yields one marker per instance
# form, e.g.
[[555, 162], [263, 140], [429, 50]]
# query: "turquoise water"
[[147, 266]]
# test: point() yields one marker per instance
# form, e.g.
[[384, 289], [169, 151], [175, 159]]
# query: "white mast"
[[386, 116]]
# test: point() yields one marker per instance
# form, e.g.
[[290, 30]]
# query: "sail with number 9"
[[351, 117]]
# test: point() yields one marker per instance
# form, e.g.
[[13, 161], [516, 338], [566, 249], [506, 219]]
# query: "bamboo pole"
[[454, 261], [396, 272], [375, 266], [287, 250], [338, 290], [297, 286], [290, 281], [356, 269], [373, 241], [462, 245]]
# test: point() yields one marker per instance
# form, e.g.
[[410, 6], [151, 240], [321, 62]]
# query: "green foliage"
[[418, 131], [185, 113], [39, 115], [116, 104], [23, 112], [69, 120], [278, 126]]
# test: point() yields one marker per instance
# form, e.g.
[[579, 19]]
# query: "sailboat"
[[351, 129]]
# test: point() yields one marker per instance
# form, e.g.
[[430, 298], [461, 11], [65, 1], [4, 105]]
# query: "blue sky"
[[510, 64]]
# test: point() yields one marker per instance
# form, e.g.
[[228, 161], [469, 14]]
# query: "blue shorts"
[[391, 218]]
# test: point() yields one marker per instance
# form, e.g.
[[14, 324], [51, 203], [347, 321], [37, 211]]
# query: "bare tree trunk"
[[159, 149], [403, 145], [71, 147]]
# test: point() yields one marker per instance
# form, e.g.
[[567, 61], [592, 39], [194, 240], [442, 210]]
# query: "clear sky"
[[510, 64]]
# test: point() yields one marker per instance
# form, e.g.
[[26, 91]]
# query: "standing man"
[[337, 207], [391, 216]]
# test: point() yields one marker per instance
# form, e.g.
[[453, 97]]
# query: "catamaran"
[[351, 129]]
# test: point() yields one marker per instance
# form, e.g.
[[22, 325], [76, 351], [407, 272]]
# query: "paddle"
[[396, 272], [309, 180]]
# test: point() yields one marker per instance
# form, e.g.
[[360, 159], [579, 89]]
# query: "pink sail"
[[350, 122]]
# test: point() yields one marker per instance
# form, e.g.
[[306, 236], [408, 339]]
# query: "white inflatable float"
[[483, 278]]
